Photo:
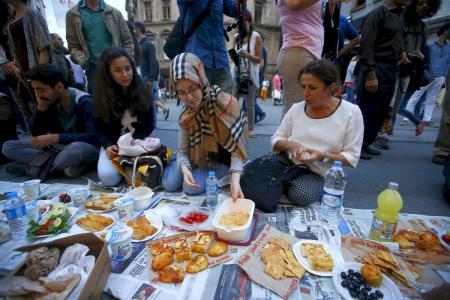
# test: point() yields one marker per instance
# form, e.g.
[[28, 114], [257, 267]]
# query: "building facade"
[[159, 17]]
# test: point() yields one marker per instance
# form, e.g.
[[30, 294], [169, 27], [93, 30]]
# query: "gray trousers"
[[74, 154], [442, 144]]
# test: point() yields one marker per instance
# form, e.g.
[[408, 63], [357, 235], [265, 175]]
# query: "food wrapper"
[[253, 265], [190, 236], [357, 250], [423, 267]]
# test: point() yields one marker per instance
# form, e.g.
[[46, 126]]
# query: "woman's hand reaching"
[[235, 186]]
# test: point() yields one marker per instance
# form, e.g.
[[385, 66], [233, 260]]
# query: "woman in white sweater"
[[318, 131]]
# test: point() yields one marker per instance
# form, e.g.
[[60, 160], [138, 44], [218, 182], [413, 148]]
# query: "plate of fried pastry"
[[145, 227], [102, 203], [316, 257], [95, 222], [170, 258]]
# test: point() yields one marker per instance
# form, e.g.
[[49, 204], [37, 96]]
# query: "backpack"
[[143, 170]]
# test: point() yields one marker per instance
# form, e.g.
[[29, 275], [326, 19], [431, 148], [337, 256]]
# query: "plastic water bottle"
[[333, 194], [17, 215], [212, 190]]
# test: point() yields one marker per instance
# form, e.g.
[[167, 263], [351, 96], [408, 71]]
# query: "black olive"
[[367, 286], [353, 293], [343, 275], [379, 294], [344, 283], [351, 271], [350, 285], [362, 296], [373, 296]]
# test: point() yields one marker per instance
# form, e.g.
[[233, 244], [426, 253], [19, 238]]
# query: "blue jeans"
[[403, 112], [172, 178], [220, 77], [155, 97], [350, 94], [73, 154]]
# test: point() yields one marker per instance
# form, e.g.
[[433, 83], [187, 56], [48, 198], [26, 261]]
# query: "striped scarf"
[[217, 121]]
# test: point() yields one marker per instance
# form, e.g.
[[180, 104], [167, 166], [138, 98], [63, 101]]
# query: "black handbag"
[[39, 167], [265, 178], [177, 38]]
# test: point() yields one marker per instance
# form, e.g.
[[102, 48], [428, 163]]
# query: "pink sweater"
[[302, 28]]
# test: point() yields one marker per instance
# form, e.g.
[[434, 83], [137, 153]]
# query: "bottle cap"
[[11, 195], [393, 185], [211, 173], [337, 163]]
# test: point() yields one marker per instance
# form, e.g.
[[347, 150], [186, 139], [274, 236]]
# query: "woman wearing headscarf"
[[212, 133]]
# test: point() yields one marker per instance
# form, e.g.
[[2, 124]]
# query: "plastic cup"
[[79, 196], [119, 239], [31, 189], [124, 208]]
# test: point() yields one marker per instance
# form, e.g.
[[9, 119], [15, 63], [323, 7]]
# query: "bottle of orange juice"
[[385, 218]]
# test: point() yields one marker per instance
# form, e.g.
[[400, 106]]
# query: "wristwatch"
[[326, 158]]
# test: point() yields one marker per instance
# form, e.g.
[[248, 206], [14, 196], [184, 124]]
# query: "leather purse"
[[265, 178]]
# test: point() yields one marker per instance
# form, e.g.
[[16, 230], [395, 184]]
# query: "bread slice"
[[217, 249], [321, 262], [197, 264], [171, 274], [201, 243], [183, 250]]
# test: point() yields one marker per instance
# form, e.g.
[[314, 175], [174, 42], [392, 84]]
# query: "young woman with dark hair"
[[248, 45], [121, 105]]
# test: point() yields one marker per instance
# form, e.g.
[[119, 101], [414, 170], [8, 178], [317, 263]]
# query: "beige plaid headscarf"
[[218, 120]]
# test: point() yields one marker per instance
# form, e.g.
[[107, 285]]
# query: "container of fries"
[[233, 218]]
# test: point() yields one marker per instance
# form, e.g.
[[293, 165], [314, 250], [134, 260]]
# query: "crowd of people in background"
[[340, 87]]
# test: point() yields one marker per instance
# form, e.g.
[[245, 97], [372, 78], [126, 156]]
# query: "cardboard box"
[[96, 281]]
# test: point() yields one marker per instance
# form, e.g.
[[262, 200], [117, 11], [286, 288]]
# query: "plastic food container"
[[119, 239], [142, 197], [234, 233]]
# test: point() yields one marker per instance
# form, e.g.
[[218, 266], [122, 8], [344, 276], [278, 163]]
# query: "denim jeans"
[[221, 78], [155, 97], [73, 154], [172, 178]]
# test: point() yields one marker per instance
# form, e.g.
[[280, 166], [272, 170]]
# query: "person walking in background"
[[30, 44], [122, 104], [381, 50], [415, 59], [208, 41], [439, 53], [259, 112], [349, 85], [277, 94], [91, 27], [331, 20], [63, 63], [150, 68], [302, 28], [346, 33], [248, 46]]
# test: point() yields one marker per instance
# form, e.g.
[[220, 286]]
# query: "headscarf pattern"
[[218, 120]]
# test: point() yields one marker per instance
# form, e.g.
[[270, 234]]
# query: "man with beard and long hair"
[[63, 117]]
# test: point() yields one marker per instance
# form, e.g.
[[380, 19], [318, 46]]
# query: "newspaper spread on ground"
[[227, 280]]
